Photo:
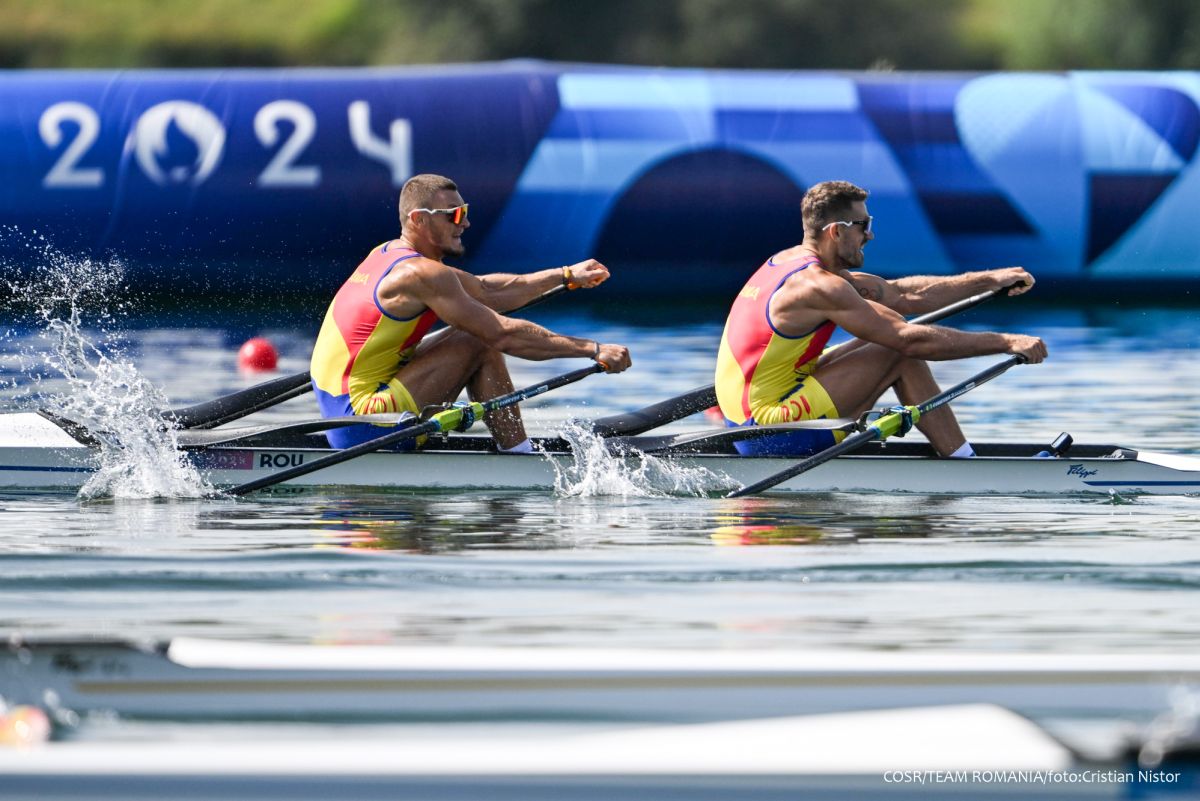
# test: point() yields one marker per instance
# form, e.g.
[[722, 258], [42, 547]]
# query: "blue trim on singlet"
[[779, 286], [375, 291]]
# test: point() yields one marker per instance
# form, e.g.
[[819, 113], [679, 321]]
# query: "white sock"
[[524, 446], [965, 451]]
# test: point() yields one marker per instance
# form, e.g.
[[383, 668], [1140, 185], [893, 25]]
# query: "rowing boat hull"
[[598, 723], [962, 752], [36, 454], [194, 678]]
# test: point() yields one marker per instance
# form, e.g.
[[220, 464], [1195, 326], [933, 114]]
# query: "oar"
[[689, 442], [199, 439], [896, 421], [628, 424], [211, 414], [237, 405], [705, 441], [457, 418], [962, 305]]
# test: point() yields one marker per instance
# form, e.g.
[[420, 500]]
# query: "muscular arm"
[[918, 294], [874, 322], [503, 291], [440, 288], [879, 324]]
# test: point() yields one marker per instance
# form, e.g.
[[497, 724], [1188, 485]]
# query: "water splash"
[[70, 302], [595, 471]]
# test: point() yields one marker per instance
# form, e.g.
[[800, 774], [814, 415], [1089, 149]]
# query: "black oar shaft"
[[442, 421], [947, 395], [239, 404], [955, 308], [848, 444], [628, 424], [882, 428]]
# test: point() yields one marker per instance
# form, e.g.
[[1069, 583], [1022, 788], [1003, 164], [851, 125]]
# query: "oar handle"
[[447, 420]]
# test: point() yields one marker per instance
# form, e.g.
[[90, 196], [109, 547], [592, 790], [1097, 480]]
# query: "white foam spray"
[[70, 302], [594, 471]]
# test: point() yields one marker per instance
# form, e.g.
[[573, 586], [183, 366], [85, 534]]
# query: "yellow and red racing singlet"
[[361, 347], [759, 369]]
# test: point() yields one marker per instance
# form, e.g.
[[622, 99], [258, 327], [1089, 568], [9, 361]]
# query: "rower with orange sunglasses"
[[370, 355]]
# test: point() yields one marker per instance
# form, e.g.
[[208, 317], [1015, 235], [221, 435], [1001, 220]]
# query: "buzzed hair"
[[828, 202], [419, 192]]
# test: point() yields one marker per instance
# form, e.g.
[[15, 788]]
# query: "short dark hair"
[[420, 190], [828, 202]]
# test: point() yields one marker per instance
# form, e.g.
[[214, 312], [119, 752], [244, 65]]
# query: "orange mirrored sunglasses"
[[457, 214]]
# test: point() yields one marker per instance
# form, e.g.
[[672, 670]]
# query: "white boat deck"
[[35, 453]]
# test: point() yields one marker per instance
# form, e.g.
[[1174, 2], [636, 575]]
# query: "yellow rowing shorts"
[[389, 398], [392, 397], [809, 401]]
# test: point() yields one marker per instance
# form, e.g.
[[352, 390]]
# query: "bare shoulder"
[[820, 290], [802, 305], [415, 285], [416, 275]]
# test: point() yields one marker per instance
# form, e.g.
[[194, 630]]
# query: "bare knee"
[[489, 357], [474, 350], [908, 367]]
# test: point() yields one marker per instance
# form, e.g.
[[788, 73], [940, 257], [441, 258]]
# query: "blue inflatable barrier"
[[680, 179]]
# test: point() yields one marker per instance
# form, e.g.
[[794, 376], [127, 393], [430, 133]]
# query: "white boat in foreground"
[[591, 724], [37, 453], [961, 752], [194, 678]]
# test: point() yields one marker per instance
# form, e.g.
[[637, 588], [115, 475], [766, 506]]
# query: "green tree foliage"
[[1104, 34], [767, 34]]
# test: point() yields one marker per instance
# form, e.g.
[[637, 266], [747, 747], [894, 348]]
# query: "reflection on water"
[[632, 567], [511, 569], [616, 559]]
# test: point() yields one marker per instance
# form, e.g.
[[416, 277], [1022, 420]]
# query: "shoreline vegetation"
[[973, 35]]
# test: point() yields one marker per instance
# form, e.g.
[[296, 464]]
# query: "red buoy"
[[258, 355]]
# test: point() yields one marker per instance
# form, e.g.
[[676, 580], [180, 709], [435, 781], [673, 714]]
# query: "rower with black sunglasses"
[[773, 365], [370, 358]]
